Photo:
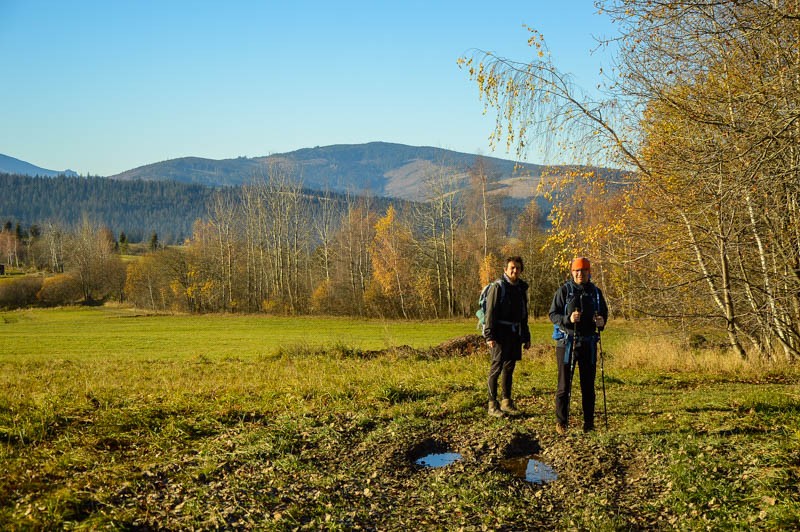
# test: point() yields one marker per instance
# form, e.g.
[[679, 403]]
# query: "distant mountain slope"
[[10, 165], [379, 168], [138, 208], [197, 171]]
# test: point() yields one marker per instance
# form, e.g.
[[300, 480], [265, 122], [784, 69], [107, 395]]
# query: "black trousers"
[[587, 370], [504, 360]]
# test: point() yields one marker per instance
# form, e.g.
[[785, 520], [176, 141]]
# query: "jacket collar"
[[520, 283]]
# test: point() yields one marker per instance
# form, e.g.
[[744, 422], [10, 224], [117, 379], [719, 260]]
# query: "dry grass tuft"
[[664, 353]]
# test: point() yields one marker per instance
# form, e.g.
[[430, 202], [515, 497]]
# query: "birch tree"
[[224, 219], [91, 258], [352, 244], [392, 259], [440, 216]]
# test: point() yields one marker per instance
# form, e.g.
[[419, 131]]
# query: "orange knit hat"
[[581, 263]]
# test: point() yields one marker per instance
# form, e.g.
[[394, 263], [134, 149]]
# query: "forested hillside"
[[137, 208]]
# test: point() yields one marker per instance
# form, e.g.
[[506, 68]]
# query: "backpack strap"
[[500, 287], [558, 332], [570, 296]]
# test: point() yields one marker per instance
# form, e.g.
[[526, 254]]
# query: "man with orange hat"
[[578, 312]]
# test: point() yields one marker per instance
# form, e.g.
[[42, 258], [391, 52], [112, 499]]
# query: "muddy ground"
[[357, 471]]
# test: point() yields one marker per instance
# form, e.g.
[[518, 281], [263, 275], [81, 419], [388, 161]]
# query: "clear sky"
[[103, 86]]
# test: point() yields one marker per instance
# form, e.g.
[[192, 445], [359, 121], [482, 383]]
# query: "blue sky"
[[104, 86]]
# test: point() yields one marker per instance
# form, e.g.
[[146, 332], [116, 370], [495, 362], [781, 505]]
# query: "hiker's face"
[[580, 276], [513, 269]]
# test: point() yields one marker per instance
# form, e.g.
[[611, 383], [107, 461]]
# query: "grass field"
[[110, 418]]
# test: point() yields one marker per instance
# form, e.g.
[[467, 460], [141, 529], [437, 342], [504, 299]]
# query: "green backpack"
[[481, 312]]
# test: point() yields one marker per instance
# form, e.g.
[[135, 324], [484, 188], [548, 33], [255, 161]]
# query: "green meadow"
[[111, 418]]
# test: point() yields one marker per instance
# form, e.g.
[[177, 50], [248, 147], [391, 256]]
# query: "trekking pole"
[[571, 375], [572, 358], [602, 376]]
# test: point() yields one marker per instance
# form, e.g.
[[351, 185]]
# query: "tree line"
[[272, 246]]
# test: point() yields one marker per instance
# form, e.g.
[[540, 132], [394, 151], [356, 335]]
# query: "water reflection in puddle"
[[438, 460], [531, 470]]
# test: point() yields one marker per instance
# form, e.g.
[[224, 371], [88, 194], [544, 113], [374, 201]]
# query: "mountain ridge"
[[380, 168], [12, 165]]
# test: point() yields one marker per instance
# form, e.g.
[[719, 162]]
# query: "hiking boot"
[[507, 406], [561, 429], [494, 409]]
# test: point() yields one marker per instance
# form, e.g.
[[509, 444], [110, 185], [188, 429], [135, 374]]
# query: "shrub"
[[19, 292], [61, 289], [322, 298]]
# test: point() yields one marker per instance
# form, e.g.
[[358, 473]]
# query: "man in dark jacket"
[[506, 332], [578, 311]]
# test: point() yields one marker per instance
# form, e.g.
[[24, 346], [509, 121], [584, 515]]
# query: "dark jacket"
[[586, 298], [507, 316]]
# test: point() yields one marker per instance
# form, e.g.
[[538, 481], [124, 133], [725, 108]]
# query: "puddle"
[[531, 470], [438, 460], [433, 453]]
